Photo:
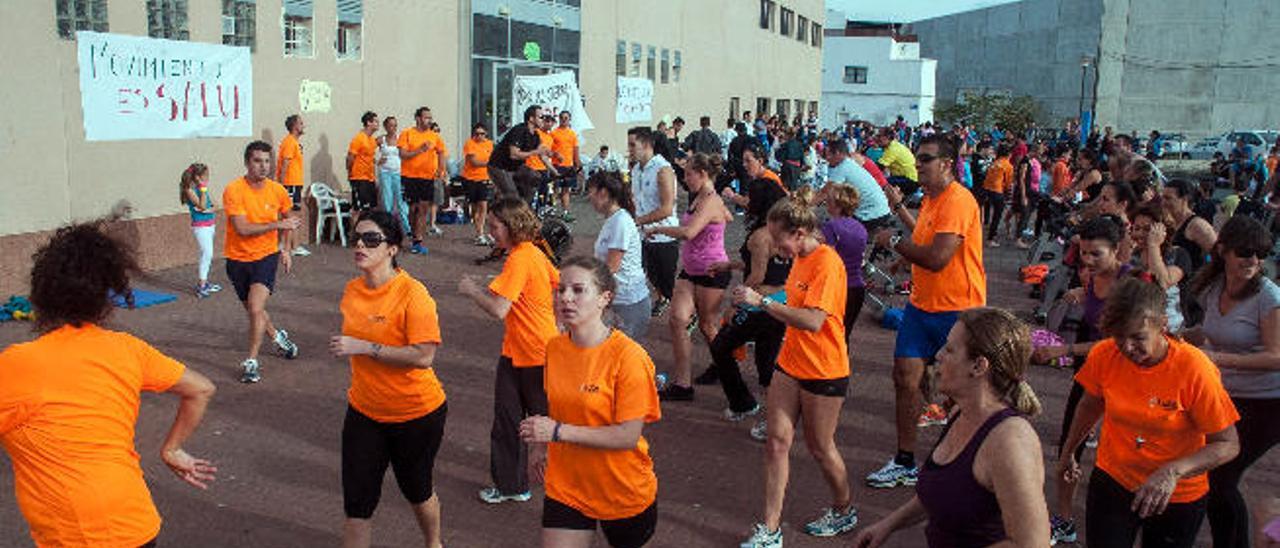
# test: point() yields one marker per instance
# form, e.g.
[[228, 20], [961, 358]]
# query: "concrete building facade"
[[390, 56], [1191, 66], [875, 74]]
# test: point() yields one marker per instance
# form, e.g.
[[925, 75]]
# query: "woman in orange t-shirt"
[[396, 407], [814, 362], [1167, 420], [520, 296], [589, 449], [69, 402]]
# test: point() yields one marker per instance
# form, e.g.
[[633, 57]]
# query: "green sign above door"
[[532, 51]]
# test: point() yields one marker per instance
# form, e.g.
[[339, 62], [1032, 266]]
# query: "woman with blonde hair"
[[984, 481]]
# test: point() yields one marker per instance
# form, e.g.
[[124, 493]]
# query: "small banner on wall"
[[554, 92], [635, 100], [314, 96], [134, 87]]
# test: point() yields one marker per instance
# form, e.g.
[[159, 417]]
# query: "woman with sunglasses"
[[1241, 334], [396, 406], [475, 178]]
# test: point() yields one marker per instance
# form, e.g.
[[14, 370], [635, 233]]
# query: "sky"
[[905, 11]]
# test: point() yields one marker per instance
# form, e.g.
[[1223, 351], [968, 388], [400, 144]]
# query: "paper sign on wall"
[[635, 100], [314, 96], [554, 92], [133, 87]]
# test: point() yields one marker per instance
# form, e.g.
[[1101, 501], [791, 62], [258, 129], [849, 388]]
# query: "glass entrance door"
[[503, 76]]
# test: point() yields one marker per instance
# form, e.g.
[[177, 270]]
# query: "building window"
[[489, 36], [800, 109], [637, 52], [784, 111], [566, 47], [238, 20], [735, 108], [651, 67], [762, 106], [531, 42], [766, 13], [855, 75], [788, 17], [74, 15], [298, 27], [675, 68], [802, 28], [813, 109], [666, 66], [621, 61], [167, 19], [816, 35], [350, 21]]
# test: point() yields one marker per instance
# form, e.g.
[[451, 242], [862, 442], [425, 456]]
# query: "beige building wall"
[[414, 52]]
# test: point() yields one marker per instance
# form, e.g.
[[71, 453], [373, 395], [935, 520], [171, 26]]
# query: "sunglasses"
[[370, 239], [924, 158], [1252, 253], [480, 134]]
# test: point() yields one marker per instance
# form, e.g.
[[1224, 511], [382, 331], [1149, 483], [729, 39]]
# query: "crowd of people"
[[1174, 339]]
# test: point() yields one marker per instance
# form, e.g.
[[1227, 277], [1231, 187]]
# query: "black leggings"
[[517, 393], [852, 306], [659, 260], [1069, 415], [1110, 523], [995, 209], [1259, 431], [745, 326], [368, 446], [632, 532]]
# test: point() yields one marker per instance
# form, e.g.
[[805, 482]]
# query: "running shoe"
[[435, 231], [675, 392], [284, 345], [760, 432], [660, 306], [202, 292], [212, 287], [832, 523], [933, 415], [492, 495], [566, 216], [1061, 530], [762, 537], [300, 252], [418, 249], [893, 475], [738, 416], [480, 240], [250, 374], [707, 377]]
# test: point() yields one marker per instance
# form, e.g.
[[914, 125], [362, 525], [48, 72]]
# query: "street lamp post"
[[1084, 67]]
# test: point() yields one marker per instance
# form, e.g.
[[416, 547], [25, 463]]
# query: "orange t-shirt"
[[1061, 175], [68, 407], [1170, 406], [606, 385], [1272, 162], [400, 313], [999, 176], [290, 149], [564, 140], [535, 162], [962, 284], [770, 175], [362, 147], [481, 151], [427, 164], [527, 280], [261, 205], [817, 281]]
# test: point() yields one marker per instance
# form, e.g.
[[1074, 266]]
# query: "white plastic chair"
[[331, 207]]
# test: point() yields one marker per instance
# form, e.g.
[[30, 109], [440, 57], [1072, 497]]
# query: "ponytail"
[[189, 177], [1023, 400]]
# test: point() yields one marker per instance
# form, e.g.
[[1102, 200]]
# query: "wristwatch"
[[766, 301]]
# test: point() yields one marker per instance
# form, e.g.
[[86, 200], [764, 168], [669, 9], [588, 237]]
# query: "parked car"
[[1204, 148], [1175, 146], [1260, 140]]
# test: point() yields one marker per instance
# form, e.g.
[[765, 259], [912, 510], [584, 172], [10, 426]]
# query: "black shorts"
[[368, 446], [719, 281], [631, 532], [295, 194], [568, 178], [417, 190], [831, 388], [244, 274], [364, 195], [874, 225], [478, 191]]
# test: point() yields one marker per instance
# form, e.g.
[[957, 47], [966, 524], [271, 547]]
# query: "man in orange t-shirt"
[[360, 170], [257, 219], [998, 181], [475, 175], [947, 277], [564, 146], [422, 163], [289, 172], [543, 165]]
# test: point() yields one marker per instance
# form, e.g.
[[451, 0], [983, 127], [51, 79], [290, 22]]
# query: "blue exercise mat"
[[143, 298]]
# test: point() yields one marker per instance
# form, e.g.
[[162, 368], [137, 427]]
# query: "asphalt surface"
[[277, 443]]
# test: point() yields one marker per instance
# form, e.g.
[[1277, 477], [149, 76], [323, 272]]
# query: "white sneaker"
[[286, 346], [492, 495], [250, 374], [434, 231], [300, 252], [832, 523], [735, 416], [892, 475], [760, 432], [762, 537]]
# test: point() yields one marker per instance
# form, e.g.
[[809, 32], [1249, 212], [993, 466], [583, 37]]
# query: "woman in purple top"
[[698, 287], [984, 481], [849, 238]]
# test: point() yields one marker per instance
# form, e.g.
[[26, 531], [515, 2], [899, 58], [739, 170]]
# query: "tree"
[[1014, 114]]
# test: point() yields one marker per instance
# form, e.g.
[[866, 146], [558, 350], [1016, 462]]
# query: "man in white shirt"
[[653, 182]]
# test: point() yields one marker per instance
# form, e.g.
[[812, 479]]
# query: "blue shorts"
[[922, 334], [244, 274]]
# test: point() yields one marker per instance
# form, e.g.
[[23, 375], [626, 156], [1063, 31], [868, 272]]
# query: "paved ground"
[[277, 443]]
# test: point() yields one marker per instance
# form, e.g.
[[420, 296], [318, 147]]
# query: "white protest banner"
[[635, 100], [133, 87], [554, 92]]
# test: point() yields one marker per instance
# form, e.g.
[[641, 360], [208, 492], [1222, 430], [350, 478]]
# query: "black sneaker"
[[675, 392], [707, 377], [659, 306]]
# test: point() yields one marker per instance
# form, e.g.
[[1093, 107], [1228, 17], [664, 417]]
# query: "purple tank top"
[[703, 250], [1093, 309], [961, 511]]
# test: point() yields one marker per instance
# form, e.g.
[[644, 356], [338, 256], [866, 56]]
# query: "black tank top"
[[1181, 240], [774, 275], [961, 511]]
